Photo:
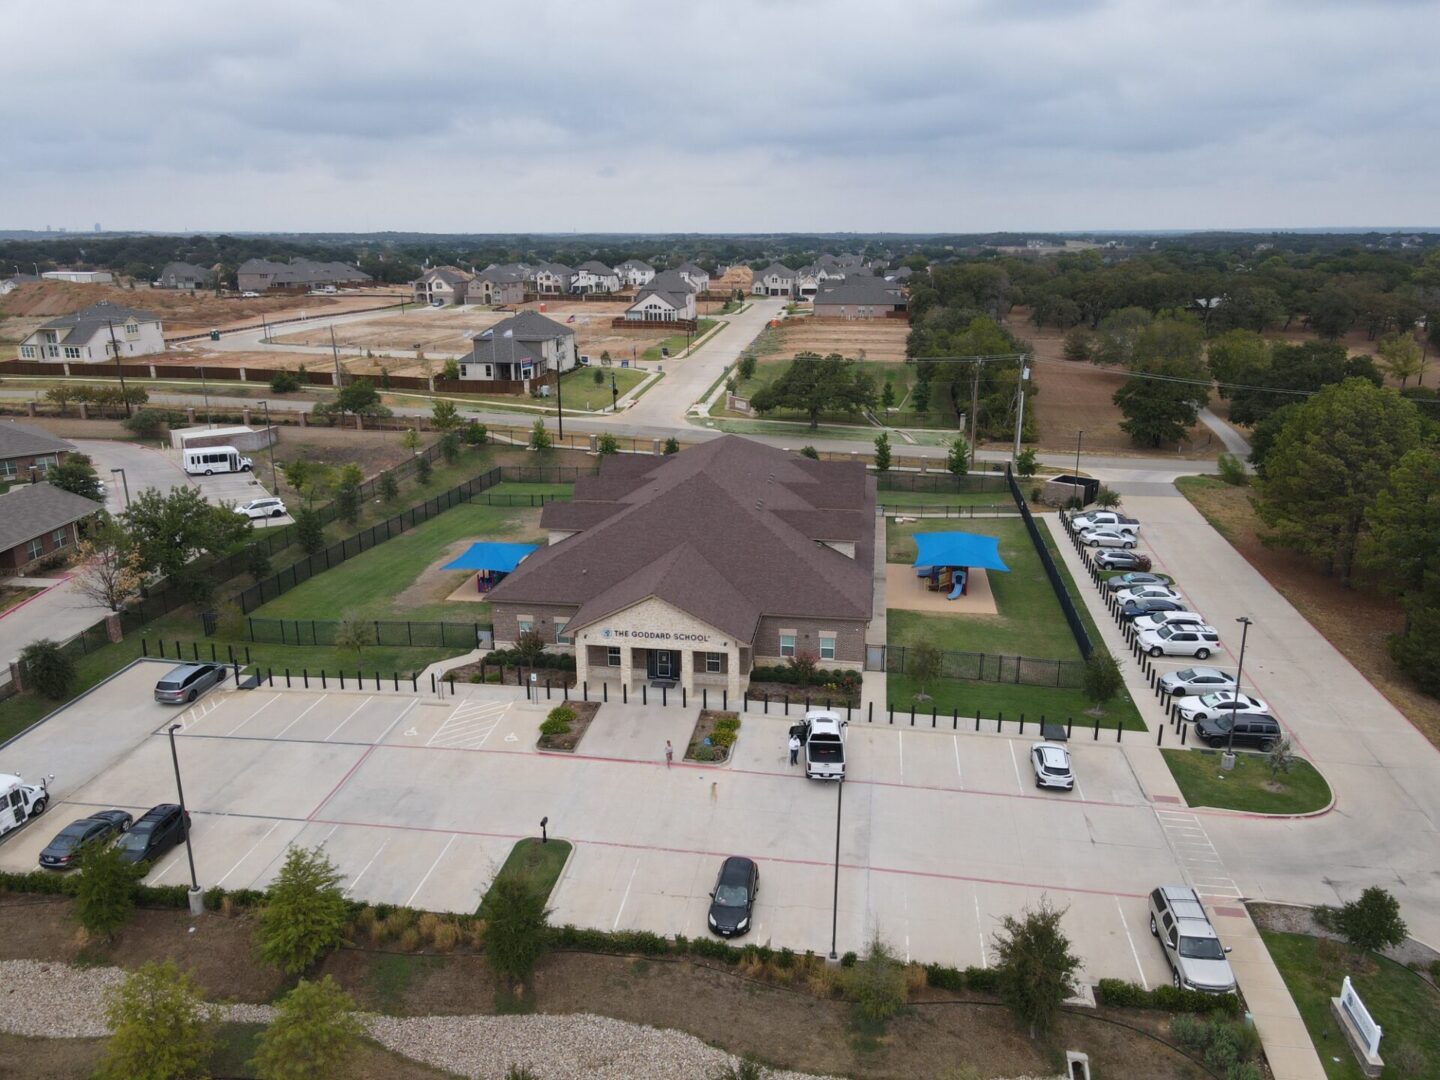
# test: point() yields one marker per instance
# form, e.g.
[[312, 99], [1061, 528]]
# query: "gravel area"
[[48, 1000]]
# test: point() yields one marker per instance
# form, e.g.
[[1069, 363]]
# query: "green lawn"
[[1198, 774], [580, 392], [944, 498], [399, 579], [677, 342], [901, 375], [1402, 1003], [537, 865], [1006, 700]]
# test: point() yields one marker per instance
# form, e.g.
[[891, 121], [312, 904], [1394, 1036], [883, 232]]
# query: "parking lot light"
[[544, 837], [125, 484], [197, 898], [1228, 761]]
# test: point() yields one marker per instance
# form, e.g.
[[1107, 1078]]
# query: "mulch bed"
[[704, 727], [584, 713], [818, 696], [470, 673]]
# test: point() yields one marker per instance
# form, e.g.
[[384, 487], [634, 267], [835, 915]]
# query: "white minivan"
[[206, 460]]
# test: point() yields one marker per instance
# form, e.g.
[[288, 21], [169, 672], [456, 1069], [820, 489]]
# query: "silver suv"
[[187, 682], [1197, 959]]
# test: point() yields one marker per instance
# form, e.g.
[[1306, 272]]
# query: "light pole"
[[197, 898], [125, 485], [270, 444], [835, 896], [614, 394], [1245, 623], [1075, 487]]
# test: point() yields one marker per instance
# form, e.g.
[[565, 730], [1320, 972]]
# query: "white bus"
[[205, 460]]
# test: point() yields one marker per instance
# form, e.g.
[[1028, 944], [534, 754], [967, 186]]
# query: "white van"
[[20, 801], [205, 460]]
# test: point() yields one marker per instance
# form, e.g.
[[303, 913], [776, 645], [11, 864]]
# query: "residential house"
[[183, 275], [731, 278], [669, 297], [40, 520], [594, 277], [861, 296], [633, 272], [94, 335], [257, 275], [23, 448], [552, 279], [523, 347], [500, 284], [448, 284], [698, 277], [775, 280], [14, 281]]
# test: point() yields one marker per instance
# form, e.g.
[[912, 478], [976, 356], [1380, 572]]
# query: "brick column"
[[190, 414], [84, 411], [687, 670], [112, 627], [30, 408], [732, 674], [304, 418], [245, 416], [627, 656], [582, 661], [594, 444], [17, 675]]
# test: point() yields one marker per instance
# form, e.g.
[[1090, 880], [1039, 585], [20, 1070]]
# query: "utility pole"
[[270, 443], [974, 410], [335, 351], [1020, 409], [559, 404], [1228, 760], [115, 348]]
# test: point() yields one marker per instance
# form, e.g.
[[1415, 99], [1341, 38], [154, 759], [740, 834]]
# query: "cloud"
[[756, 116]]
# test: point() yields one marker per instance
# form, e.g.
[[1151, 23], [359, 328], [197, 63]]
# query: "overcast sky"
[[728, 115]]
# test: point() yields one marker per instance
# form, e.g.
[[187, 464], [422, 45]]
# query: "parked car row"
[[159, 829]]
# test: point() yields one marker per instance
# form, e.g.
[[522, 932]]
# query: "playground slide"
[[959, 583]]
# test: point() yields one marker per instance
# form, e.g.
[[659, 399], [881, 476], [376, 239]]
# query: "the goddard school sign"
[[655, 635]]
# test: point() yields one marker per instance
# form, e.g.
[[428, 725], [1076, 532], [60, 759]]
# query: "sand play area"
[[904, 590]]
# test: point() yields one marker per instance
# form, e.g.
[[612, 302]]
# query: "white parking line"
[[273, 698], [621, 910], [403, 713], [959, 776], [1016, 763], [247, 854], [349, 718], [979, 925], [433, 865], [1133, 951], [900, 742], [302, 716], [356, 879]]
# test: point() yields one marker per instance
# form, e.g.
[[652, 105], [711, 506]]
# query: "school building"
[[694, 568]]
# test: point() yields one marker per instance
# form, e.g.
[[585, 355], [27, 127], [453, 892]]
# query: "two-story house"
[[594, 277], [524, 347], [95, 335], [633, 273], [668, 298], [775, 280], [698, 277], [552, 279], [448, 284]]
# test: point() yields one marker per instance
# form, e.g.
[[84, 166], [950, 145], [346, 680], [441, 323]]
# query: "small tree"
[[1102, 679], [598, 377], [257, 561], [105, 890], [606, 445], [1373, 921], [1036, 966], [877, 983], [1107, 498], [411, 439], [111, 568], [672, 445], [529, 646], [444, 416], [450, 369], [810, 452], [958, 459], [305, 914], [309, 531], [423, 470], [145, 423], [922, 663], [450, 446], [746, 367], [48, 668], [1232, 470], [515, 918], [539, 437], [347, 492], [161, 1028], [284, 382], [354, 634], [1027, 462], [920, 397], [296, 473], [1079, 346], [314, 1033], [76, 474], [882, 452], [887, 395], [476, 434], [803, 665], [1280, 758], [389, 487]]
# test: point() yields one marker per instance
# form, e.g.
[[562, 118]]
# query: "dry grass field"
[[867, 339], [443, 331]]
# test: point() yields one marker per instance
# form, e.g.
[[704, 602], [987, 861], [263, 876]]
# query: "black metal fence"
[[396, 633], [989, 478], [1057, 583], [994, 667], [1004, 509]]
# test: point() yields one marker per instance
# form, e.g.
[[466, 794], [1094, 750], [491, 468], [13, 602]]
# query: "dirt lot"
[[775, 1024], [183, 311], [877, 339], [1356, 621]]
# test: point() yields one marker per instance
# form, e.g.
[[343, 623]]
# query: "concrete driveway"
[[145, 467]]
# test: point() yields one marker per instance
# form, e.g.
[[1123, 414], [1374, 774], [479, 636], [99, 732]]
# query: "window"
[[7, 470], [787, 644], [132, 329], [827, 646], [463, 369], [46, 462], [714, 662], [60, 537], [51, 337], [72, 352], [53, 352], [27, 352], [35, 548], [612, 656], [524, 624], [560, 636]]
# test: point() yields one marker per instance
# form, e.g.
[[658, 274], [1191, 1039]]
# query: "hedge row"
[[784, 673], [981, 980], [511, 658], [645, 943], [153, 896], [1127, 995]]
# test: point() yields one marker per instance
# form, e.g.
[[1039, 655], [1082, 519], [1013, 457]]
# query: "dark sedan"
[[733, 901], [96, 829], [1149, 605], [159, 829]]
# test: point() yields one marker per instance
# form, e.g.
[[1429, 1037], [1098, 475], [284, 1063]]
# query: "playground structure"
[[491, 562], [954, 568]]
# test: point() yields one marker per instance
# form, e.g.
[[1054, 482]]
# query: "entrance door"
[[662, 664]]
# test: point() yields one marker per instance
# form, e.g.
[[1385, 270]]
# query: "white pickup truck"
[[822, 734], [20, 801], [1105, 519]]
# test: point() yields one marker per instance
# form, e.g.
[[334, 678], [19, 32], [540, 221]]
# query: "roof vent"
[[759, 504]]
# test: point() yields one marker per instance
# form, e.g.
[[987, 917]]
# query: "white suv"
[[267, 507], [1178, 641]]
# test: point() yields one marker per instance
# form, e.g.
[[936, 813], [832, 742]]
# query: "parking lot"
[[418, 801]]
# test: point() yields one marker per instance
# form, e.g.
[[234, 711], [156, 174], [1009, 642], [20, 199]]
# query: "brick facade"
[[506, 621], [20, 556], [849, 640], [18, 468]]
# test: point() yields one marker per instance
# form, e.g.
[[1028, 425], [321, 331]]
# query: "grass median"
[[1249, 786], [534, 863]]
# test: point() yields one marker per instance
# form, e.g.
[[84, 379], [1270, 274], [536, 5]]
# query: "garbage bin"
[[214, 335]]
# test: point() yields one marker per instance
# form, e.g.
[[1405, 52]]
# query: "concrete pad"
[[904, 590], [638, 733]]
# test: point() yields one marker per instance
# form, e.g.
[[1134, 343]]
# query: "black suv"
[[1261, 732], [157, 831]]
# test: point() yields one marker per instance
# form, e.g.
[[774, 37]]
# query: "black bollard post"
[[932, 715], [1160, 735], [1096, 736]]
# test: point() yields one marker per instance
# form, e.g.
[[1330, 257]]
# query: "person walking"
[[794, 749], [669, 753]]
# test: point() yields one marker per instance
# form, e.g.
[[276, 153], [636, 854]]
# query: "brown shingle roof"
[[20, 440], [728, 531], [32, 510]]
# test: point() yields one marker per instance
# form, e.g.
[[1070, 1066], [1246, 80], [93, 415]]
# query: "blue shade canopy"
[[499, 558], [958, 549]]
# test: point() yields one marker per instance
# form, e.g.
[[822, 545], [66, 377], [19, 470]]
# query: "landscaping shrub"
[[723, 738], [1224, 1044], [1372, 922], [552, 726], [563, 713], [848, 960], [105, 892], [942, 977], [512, 658], [1232, 470], [1119, 994], [306, 914], [161, 1027], [284, 382], [515, 927], [48, 668], [314, 1033], [704, 753], [983, 980], [877, 984], [727, 722]]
